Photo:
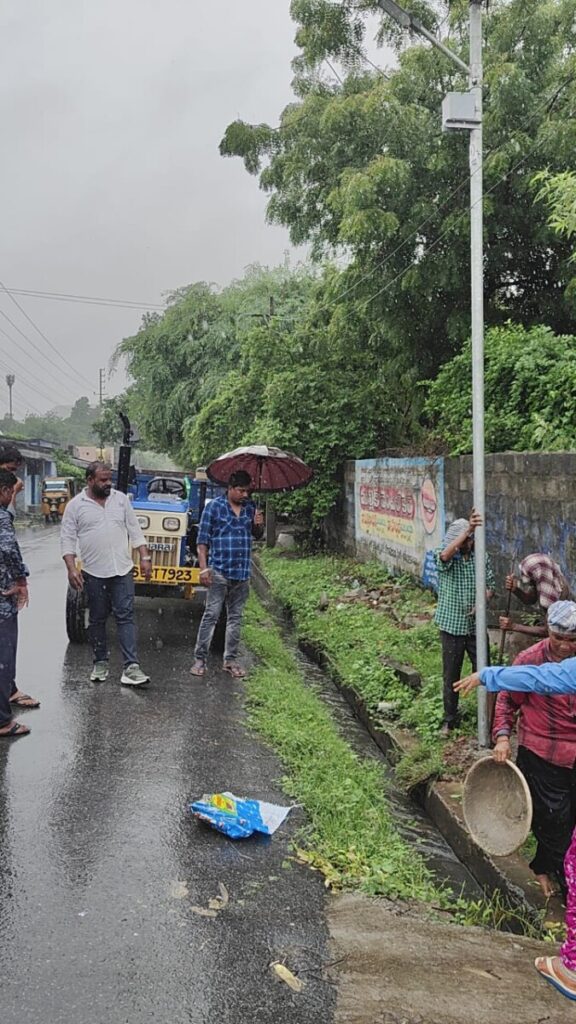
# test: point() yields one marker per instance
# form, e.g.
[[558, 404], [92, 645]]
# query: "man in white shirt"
[[100, 525]]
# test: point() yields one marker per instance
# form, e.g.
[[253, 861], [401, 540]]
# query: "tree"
[[108, 427], [362, 167], [179, 360], [530, 393], [325, 395]]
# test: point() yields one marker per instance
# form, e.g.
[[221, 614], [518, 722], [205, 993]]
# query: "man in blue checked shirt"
[[224, 543]]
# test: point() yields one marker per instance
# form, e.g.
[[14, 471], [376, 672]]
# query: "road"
[[104, 874]]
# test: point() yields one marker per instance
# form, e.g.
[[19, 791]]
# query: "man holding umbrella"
[[228, 525]]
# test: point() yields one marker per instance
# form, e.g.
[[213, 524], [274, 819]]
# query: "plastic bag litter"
[[237, 817]]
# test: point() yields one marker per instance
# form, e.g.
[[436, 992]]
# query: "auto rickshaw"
[[56, 493]]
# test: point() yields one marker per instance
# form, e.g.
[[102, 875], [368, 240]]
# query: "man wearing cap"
[[455, 614], [546, 747]]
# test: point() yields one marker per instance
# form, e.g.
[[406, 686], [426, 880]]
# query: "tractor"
[[168, 507]]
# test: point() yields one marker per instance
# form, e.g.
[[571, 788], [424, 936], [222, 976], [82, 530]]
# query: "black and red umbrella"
[[270, 469]]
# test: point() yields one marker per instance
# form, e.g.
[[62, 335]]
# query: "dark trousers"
[[553, 790], [113, 594], [8, 649], [453, 650]]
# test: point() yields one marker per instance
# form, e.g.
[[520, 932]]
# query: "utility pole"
[[463, 111], [10, 380], [101, 386]]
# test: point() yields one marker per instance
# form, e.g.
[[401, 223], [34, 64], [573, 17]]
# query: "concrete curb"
[[441, 800]]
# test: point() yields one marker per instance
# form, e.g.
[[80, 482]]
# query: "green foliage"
[[180, 361], [354, 636], [108, 427], [559, 192], [423, 763], [362, 167], [77, 428], [530, 392], [352, 838], [66, 468]]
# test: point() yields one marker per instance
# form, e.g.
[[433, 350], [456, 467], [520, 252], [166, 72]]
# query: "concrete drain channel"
[[429, 819], [412, 821]]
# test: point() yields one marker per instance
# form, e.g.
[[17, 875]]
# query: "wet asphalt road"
[[103, 870]]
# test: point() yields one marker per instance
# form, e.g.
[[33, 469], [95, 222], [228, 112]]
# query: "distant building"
[[92, 453]]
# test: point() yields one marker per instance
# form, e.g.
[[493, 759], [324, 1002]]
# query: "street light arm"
[[409, 21]]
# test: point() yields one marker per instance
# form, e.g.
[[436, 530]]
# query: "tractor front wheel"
[[77, 616]]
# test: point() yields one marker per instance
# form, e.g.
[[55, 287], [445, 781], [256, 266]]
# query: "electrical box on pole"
[[459, 112]]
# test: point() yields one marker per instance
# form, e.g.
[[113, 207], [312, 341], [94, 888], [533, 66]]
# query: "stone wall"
[[530, 506]]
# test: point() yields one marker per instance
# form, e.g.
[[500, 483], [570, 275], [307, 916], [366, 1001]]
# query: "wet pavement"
[[104, 874]]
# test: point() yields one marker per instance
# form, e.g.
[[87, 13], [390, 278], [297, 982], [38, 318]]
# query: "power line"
[[41, 333], [381, 264], [463, 215], [24, 374], [38, 349], [93, 300], [8, 367], [25, 370]]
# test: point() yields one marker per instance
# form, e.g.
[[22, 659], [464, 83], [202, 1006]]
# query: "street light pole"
[[466, 111], [477, 312]]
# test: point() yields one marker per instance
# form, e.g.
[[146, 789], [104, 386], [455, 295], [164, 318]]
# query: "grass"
[[355, 636], [351, 837]]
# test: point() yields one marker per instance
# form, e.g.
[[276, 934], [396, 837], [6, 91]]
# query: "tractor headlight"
[[170, 523], [143, 522]]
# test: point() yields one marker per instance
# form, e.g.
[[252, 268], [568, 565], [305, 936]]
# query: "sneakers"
[[134, 676], [99, 672]]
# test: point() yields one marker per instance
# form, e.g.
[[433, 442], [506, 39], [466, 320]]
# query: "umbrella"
[[270, 469]]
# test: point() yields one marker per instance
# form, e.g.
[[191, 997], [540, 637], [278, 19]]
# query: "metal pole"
[[477, 302], [10, 379]]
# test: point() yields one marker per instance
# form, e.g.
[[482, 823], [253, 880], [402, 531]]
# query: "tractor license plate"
[[170, 575]]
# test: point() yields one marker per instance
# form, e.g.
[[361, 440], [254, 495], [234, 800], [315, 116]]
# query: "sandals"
[[236, 671], [15, 730], [24, 700], [562, 978], [198, 668]]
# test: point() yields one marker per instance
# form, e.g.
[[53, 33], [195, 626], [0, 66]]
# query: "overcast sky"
[[110, 117]]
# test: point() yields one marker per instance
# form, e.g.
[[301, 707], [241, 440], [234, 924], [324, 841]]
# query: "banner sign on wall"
[[399, 506]]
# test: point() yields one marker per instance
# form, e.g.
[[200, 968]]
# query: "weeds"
[[355, 637], [351, 837]]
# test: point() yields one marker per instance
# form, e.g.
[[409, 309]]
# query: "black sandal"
[[16, 730], [20, 702]]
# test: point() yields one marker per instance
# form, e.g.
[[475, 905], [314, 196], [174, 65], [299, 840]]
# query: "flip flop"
[[25, 701], [553, 970], [198, 668], [235, 671], [16, 730]]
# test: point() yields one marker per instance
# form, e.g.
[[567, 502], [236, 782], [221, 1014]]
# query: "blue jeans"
[[233, 593], [113, 594], [8, 648]]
